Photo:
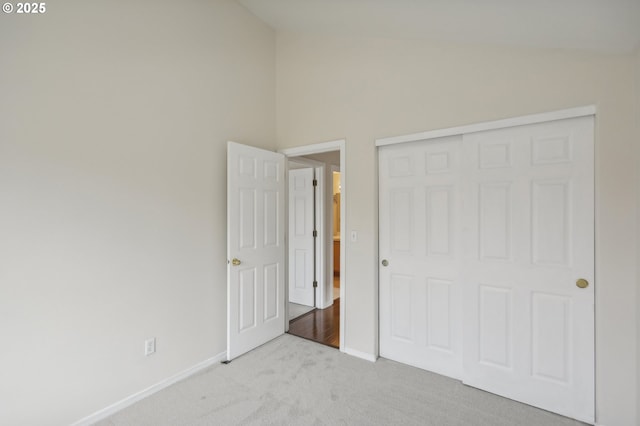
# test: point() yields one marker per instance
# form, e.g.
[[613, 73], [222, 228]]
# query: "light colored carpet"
[[296, 310], [292, 381]]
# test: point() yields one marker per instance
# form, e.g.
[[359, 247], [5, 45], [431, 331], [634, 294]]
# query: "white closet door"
[[420, 321], [485, 238], [528, 328]]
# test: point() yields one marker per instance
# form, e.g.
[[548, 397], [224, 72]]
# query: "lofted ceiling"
[[603, 25]]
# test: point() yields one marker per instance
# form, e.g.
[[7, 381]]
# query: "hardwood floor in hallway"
[[319, 325]]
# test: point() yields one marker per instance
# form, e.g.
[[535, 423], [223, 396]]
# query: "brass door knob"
[[235, 262], [385, 262], [582, 283]]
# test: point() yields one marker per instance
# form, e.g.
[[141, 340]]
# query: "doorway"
[[336, 191], [324, 322]]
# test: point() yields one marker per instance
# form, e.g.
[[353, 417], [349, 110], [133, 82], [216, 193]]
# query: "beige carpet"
[[292, 381]]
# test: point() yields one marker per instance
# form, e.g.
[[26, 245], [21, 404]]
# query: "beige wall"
[[363, 89], [112, 180], [331, 157], [115, 117]]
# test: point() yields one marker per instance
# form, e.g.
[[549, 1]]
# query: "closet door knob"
[[385, 262], [582, 283]]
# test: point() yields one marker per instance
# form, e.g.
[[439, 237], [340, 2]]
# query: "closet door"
[[487, 261], [420, 254], [528, 293]]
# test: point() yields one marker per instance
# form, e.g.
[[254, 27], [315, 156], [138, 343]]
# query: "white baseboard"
[[130, 400], [360, 354]]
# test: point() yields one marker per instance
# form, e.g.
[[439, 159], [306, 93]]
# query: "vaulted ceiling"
[[603, 25]]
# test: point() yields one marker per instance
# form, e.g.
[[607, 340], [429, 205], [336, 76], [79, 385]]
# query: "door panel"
[[438, 216], [420, 288], [402, 324], [255, 226], [550, 233], [271, 294], [528, 330], [301, 241], [494, 214], [550, 337], [495, 331], [247, 299], [439, 321]]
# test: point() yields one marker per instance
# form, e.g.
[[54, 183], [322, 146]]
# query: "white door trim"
[[491, 125], [337, 145], [331, 253]]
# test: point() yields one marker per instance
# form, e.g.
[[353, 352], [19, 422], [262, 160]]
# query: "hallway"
[[319, 325]]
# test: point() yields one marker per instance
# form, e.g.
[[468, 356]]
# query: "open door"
[[302, 268], [255, 247]]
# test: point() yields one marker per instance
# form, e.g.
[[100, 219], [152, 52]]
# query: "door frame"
[[330, 271], [337, 145]]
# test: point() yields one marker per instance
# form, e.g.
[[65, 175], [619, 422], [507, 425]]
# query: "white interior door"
[[255, 247], [485, 237], [301, 240], [528, 329], [420, 254]]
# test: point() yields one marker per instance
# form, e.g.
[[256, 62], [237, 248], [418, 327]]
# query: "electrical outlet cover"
[[149, 346]]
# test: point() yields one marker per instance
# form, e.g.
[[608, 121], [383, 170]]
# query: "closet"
[[486, 250]]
